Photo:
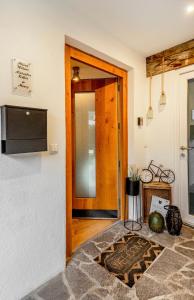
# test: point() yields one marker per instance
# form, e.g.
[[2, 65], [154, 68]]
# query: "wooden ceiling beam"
[[176, 57]]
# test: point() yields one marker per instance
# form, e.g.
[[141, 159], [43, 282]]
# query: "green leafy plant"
[[134, 173]]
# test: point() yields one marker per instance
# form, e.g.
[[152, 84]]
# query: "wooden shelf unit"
[[159, 189]]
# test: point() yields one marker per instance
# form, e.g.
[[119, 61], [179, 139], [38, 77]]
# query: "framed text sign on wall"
[[22, 77]]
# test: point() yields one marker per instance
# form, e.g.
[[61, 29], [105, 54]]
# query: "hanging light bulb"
[[76, 76], [150, 113], [163, 95]]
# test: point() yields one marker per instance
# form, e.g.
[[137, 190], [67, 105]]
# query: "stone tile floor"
[[170, 277]]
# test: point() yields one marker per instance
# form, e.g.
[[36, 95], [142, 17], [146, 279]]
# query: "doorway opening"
[[96, 145]]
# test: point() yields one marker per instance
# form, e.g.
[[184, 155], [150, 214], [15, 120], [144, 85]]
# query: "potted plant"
[[132, 181]]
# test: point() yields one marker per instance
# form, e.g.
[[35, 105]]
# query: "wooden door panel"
[[85, 203], [107, 147]]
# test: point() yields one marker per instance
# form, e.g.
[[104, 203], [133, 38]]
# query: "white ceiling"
[[147, 26], [88, 72]]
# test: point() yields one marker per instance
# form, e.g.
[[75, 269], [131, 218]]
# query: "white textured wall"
[[163, 132], [32, 186], [160, 131], [32, 201]]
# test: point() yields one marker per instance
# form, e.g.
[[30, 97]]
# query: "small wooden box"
[[159, 189]]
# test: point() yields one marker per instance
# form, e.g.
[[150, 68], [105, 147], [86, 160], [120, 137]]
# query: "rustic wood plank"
[[176, 57]]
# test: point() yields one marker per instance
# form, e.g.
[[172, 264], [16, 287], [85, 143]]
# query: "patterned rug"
[[129, 257]]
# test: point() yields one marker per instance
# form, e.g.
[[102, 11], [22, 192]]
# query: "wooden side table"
[[159, 189]]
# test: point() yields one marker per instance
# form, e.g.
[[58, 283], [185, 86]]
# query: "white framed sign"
[[158, 204], [22, 77]]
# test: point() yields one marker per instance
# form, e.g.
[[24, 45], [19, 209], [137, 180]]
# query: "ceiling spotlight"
[[76, 77], [190, 9]]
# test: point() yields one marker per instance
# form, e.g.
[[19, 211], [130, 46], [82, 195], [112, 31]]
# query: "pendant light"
[[150, 109], [163, 95], [76, 76]]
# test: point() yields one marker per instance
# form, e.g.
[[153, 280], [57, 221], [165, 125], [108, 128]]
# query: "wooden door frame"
[[74, 53]]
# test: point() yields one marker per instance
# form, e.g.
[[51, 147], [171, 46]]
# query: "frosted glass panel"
[[85, 142]]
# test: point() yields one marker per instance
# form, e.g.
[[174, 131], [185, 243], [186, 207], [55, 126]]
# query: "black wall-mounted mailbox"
[[23, 129]]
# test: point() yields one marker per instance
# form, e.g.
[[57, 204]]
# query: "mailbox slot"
[[23, 129]]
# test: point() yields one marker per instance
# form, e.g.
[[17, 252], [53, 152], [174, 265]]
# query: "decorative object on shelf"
[[173, 219], [156, 222], [133, 189], [152, 189], [157, 172], [163, 95], [150, 109], [76, 77], [158, 204]]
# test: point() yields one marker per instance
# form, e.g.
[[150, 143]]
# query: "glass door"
[[190, 137], [186, 147]]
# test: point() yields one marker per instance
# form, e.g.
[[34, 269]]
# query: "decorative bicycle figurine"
[[147, 175]]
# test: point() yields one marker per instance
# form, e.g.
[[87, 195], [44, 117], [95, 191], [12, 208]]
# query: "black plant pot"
[[173, 219], [132, 187]]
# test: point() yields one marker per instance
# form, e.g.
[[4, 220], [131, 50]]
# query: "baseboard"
[[95, 214]]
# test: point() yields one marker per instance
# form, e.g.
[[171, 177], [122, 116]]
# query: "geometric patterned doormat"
[[129, 257]]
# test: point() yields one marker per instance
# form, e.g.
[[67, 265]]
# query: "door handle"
[[183, 148]]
